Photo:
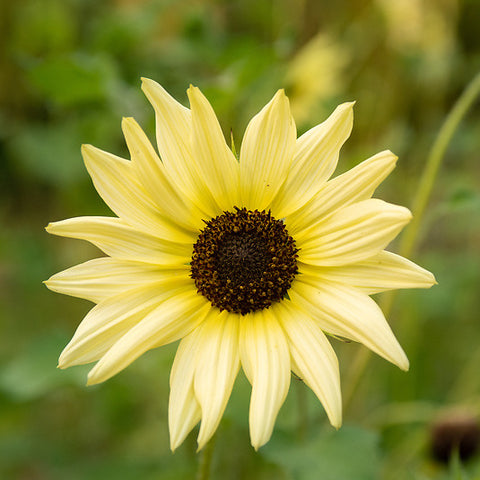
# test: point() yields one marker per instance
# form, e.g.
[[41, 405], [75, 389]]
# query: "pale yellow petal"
[[183, 408], [265, 359], [172, 320], [384, 271], [355, 185], [174, 139], [353, 234], [151, 172], [105, 277], [117, 239], [266, 153], [315, 159], [106, 323], [346, 312], [217, 165], [118, 185], [217, 365], [313, 358]]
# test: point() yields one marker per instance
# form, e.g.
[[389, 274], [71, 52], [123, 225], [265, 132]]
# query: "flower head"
[[249, 262]]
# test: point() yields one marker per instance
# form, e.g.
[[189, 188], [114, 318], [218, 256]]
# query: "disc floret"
[[244, 261]]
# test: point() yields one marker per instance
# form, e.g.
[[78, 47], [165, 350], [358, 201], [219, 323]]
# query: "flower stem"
[[434, 161], [424, 190], [205, 461]]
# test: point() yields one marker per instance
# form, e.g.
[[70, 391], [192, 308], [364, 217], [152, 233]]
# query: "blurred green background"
[[70, 69]]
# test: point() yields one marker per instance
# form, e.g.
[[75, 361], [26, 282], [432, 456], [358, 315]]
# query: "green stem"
[[434, 161], [205, 461], [425, 187]]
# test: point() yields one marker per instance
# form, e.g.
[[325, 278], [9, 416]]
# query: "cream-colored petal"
[[352, 234], [106, 323], [315, 159], [105, 277], [183, 408], [117, 239], [174, 139], [118, 185], [355, 185], [346, 312], [384, 271], [217, 365], [266, 153], [151, 172], [216, 163], [265, 359], [313, 358], [172, 320]]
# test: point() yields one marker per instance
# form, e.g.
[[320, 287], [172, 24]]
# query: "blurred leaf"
[[33, 372], [50, 153], [72, 80], [349, 453], [44, 26], [464, 198]]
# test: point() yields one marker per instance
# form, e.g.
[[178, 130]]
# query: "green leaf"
[[349, 453], [33, 372], [72, 80], [50, 153]]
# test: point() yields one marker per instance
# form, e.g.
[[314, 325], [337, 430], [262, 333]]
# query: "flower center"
[[244, 261]]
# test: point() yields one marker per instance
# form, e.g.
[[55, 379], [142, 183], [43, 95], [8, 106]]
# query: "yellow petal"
[[105, 277], [353, 233], [106, 323], [355, 185], [346, 312], [118, 185], [117, 239], [313, 358], [217, 165], [217, 365], [183, 409], [172, 320], [266, 361], [151, 172], [267, 153], [384, 271], [174, 139], [316, 157]]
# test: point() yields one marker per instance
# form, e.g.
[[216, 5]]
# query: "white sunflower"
[[249, 262]]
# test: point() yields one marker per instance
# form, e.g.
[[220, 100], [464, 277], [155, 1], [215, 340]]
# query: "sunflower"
[[249, 262]]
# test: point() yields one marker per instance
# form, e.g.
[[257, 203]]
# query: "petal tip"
[[336, 420], [195, 95], [62, 364], [431, 280], [391, 154], [147, 83], [151, 88], [174, 443], [127, 120], [404, 364], [87, 148], [64, 361], [337, 425], [91, 380]]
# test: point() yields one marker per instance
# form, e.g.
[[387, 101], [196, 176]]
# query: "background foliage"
[[69, 70]]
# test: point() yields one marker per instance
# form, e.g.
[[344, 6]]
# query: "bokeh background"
[[70, 69]]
